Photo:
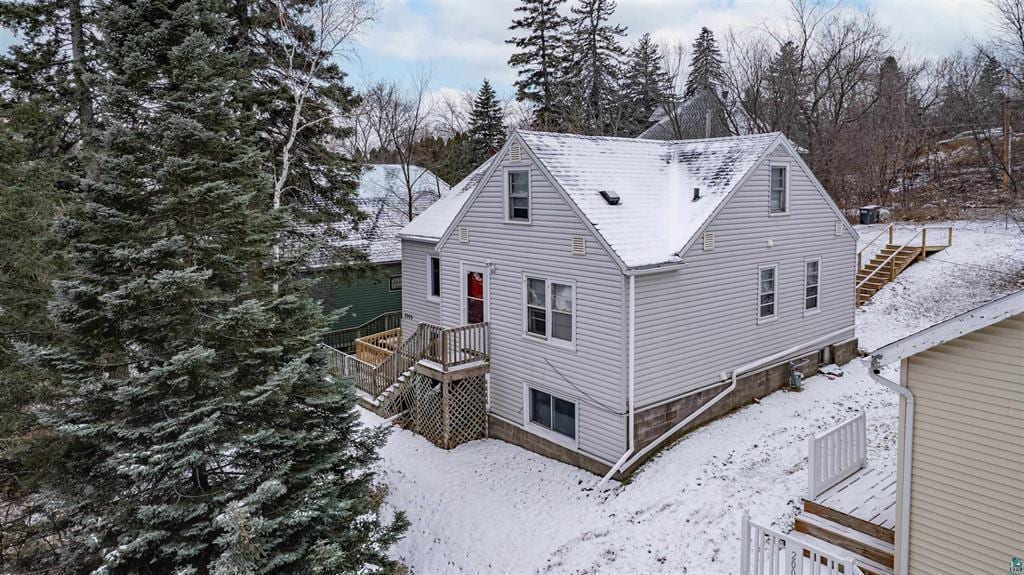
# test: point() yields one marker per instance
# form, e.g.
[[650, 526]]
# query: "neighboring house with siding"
[[634, 288], [384, 198], [960, 478]]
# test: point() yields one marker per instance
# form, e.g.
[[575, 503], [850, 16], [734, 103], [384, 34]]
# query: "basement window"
[[766, 292], [554, 413]]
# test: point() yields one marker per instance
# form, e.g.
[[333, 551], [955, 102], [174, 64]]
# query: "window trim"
[[546, 433], [430, 277], [506, 200], [789, 170], [391, 282], [775, 310], [817, 307], [548, 302]]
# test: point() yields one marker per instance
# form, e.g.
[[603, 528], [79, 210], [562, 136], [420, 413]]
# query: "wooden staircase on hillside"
[[892, 259]]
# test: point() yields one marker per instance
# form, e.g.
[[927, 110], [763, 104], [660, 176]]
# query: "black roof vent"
[[696, 194], [611, 197]]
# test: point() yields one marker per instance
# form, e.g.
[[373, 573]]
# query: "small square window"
[[779, 190], [554, 413], [395, 282]]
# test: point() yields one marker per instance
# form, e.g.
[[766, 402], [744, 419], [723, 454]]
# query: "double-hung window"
[[395, 282], [550, 309], [767, 289], [518, 190], [779, 189], [554, 413], [812, 278], [435, 276]]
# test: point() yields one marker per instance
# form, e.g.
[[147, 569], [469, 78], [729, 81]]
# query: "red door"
[[475, 300]]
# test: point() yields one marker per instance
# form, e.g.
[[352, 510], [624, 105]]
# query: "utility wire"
[[585, 394]]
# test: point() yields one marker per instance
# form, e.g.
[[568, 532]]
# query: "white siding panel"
[[967, 484], [699, 321], [595, 370], [416, 306]]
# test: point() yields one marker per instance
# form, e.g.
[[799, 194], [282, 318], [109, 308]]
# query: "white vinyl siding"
[[417, 305], [967, 481], [596, 361], [695, 323], [812, 285]]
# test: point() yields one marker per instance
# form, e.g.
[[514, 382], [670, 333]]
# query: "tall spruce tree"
[[706, 69], [645, 85], [486, 124], [783, 80], [209, 438], [592, 71], [539, 58]]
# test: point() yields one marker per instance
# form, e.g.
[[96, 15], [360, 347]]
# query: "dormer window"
[[779, 189], [517, 184]]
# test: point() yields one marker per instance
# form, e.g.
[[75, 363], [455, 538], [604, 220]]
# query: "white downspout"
[[736, 372], [631, 379], [906, 455]]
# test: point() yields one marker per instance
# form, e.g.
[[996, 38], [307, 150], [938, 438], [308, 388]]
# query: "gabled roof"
[[383, 197], [940, 333], [432, 223], [690, 119], [656, 217]]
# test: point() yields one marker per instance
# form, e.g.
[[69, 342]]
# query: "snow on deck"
[[491, 507]]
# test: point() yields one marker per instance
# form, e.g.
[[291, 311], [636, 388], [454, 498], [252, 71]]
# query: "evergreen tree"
[[539, 57], [782, 86], [208, 435], [706, 69], [593, 67], [645, 85], [486, 124]]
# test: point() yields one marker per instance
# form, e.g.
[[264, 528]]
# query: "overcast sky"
[[462, 41]]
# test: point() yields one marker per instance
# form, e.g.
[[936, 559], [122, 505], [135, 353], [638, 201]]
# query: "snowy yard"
[[489, 506]]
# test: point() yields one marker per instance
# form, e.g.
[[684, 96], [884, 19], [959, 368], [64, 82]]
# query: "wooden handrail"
[[887, 260], [888, 228]]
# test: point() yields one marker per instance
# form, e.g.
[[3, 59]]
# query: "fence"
[[836, 454], [764, 551]]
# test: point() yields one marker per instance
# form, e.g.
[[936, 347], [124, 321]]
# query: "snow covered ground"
[[491, 507]]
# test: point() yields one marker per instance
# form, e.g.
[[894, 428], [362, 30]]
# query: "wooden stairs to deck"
[[893, 259]]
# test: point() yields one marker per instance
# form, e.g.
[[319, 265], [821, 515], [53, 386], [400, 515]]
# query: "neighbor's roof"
[[432, 223], [382, 195], [940, 333], [656, 216]]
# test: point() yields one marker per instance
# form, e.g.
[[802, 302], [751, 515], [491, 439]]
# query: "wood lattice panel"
[[449, 413]]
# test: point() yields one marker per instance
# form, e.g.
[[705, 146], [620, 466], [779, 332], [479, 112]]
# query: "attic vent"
[[464, 235], [709, 241], [611, 197], [839, 228], [579, 246], [515, 153]]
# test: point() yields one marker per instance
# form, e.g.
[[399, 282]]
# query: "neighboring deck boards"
[[868, 495]]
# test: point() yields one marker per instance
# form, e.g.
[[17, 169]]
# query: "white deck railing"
[[764, 551], [836, 454]]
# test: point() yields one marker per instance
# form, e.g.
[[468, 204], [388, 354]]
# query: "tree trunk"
[[85, 105]]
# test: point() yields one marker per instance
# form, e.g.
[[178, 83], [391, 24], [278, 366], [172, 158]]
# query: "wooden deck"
[[868, 495]]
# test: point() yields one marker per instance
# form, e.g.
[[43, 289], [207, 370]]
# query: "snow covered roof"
[[691, 117], [940, 333], [432, 223], [656, 216], [382, 195]]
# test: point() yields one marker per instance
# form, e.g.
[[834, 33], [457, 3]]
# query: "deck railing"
[[888, 228], [375, 348], [344, 339], [447, 347], [836, 454], [764, 551]]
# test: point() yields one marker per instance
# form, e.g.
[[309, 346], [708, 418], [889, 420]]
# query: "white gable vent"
[[839, 228], [515, 153], [709, 241], [579, 246], [464, 234]]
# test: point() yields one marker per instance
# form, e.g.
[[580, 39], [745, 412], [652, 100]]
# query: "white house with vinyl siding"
[[633, 288]]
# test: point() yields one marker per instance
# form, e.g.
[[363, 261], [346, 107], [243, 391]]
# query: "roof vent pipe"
[[696, 194]]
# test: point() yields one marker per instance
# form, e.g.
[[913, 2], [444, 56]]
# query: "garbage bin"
[[869, 214]]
